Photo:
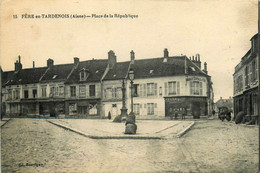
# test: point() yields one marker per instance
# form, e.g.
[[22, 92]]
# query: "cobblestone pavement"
[[34, 145]]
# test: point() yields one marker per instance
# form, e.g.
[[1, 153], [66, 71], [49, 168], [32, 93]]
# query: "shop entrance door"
[[196, 110]]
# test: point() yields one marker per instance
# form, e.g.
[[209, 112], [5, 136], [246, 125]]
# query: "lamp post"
[[124, 109], [131, 127], [131, 77]]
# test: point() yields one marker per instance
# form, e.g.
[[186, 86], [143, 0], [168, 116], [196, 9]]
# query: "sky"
[[219, 30]]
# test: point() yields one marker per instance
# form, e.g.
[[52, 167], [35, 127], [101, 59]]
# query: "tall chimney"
[[166, 53], [132, 56], [33, 64], [50, 62], [111, 59], [205, 68], [18, 65]]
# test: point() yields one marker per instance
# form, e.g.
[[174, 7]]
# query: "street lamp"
[[131, 77], [131, 127]]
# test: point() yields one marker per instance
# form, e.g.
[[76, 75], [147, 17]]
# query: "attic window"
[[151, 71], [97, 71], [54, 76], [84, 73], [192, 68]]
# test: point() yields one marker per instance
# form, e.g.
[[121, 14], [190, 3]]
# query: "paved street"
[[34, 145]]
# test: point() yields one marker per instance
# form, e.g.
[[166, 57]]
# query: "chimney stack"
[[166, 55], [132, 55], [17, 64], [33, 64], [111, 59], [50, 62], [205, 68]]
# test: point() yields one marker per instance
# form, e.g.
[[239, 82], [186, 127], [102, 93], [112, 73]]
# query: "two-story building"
[[246, 81]]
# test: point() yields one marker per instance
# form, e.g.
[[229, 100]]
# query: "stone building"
[[162, 87], [246, 82]]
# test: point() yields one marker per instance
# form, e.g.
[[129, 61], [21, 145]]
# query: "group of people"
[[175, 112]]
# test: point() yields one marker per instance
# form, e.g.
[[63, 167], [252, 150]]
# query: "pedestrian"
[[183, 114]]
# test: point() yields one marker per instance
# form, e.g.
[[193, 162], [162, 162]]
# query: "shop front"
[[189, 106]]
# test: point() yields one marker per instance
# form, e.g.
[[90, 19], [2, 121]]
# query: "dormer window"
[[84, 73]]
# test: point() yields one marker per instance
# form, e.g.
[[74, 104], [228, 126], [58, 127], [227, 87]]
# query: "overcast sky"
[[219, 30]]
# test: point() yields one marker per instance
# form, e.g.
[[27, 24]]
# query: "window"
[[246, 76], [196, 88], [73, 91], [17, 94], [174, 88], [92, 91], [44, 91], [9, 94], [61, 90], [150, 108], [82, 75], [13, 94], [151, 89], [135, 90], [136, 108], [72, 108], [25, 94], [82, 91], [119, 92], [114, 93], [34, 93], [253, 78]]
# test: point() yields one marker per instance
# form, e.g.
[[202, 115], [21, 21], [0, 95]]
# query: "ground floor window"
[[150, 108], [136, 109], [92, 108], [72, 108]]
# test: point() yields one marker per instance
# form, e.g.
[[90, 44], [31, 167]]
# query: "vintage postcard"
[[129, 86]]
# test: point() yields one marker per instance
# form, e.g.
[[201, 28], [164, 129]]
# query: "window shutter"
[[178, 88], [165, 89], [144, 90], [200, 88], [191, 88], [155, 89]]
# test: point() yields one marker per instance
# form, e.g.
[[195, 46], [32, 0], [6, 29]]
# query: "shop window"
[[72, 108], [73, 91], [93, 109], [92, 90]]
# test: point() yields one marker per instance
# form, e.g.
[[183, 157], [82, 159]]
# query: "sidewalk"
[[106, 129]]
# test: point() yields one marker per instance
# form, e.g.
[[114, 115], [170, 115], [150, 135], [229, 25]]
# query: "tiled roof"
[[57, 73], [119, 71], [24, 76], [96, 69], [157, 68]]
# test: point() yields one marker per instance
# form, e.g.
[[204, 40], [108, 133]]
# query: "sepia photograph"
[[129, 86]]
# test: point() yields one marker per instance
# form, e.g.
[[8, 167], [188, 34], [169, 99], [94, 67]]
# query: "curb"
[[5, 122], [184, 131], [104, 137]]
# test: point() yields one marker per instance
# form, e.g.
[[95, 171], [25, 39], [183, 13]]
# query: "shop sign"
[[174, 99], [195, 78]]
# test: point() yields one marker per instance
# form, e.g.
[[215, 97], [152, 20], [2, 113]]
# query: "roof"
[[96, 69], [157, 68], [57, 73], [255, 36], [24, 76], [119, 71]]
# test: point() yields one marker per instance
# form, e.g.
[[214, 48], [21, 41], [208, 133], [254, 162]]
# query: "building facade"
[[162, 87], [246, 82]]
